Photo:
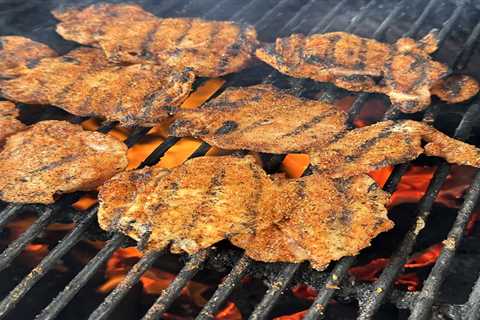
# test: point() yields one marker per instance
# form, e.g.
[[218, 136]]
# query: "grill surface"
[[459, 26]]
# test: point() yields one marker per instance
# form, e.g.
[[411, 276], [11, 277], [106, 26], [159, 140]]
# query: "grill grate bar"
[[464, 58], [273, 293], [421, 19], [473, 304], [363, 12], [339, 272], [169, 295], [47, 215], [8, 212], [448, 25], [384, 283], [46, 264], [223, 291], [432, 285], [327, 19], [64, 297], [120, 291]]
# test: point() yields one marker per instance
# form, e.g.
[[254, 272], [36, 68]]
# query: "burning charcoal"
[[84, 83], [55, 157], [9, 124], [193, 206], [128, 34], [18, 54], [261, 118], [403, 71]]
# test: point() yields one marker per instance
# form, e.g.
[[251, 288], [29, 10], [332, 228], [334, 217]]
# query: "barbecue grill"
[[459, 28]]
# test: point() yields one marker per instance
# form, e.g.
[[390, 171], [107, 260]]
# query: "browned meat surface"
[[324, 219], [9, 124], [404, 71], [193, 206], [261, 118], [128, 34], [18, 54], [83, 83], [386, 143], [456, 88], [55, 157]]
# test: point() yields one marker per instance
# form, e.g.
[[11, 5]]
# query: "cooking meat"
[[404, 71], [9, 124], [55, 157], [387, 143], [456, 88], [18, 54], [324, 219], [85, 84], [128, 34], [192, 206], [261, 118]]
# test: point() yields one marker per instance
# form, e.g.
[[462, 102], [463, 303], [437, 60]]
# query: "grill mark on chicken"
[[362, 55], [310, 124], [149, 37], [368, 144]]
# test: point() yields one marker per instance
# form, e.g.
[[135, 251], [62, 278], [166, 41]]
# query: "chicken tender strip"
[[261, 118], [55, 157], [18, 54], [128, 34], [83, 83], [191, 207], [388, 143]]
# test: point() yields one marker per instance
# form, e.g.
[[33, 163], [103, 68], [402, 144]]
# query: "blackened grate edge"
[[377, 293]]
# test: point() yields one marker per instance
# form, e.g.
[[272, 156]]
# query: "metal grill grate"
[[377, 293]]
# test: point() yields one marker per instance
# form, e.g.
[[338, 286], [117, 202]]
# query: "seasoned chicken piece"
[[324, 219], [387, 143], [9, 124], [456, 88], [261, 118], [193, 206], [18, 54], [83, 83], [128, 34], [55, 157], [403, 71]]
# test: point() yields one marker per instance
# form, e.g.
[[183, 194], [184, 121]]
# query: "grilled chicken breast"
[[55, 157], [324, 219], [18, 54], [84, 83], [261, 118], [128, 34], [193, 206], [404, 71], [9, 124], [387, 143]]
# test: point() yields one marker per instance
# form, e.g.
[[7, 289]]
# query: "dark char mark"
[[367, 145], [309, 124], [55, 164], [149, 37], [227, 127], [362, 55], [233, 50]]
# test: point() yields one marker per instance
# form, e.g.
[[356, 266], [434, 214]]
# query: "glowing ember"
[[372, 270], [295, 316], [302, 291]]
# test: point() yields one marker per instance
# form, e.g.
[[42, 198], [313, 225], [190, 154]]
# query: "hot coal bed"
[[57, 263]]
